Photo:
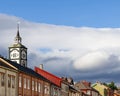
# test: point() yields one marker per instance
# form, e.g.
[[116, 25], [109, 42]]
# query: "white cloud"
[[77, 48], [91, 61]]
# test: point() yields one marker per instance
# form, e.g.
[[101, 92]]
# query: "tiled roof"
[[82, 85]]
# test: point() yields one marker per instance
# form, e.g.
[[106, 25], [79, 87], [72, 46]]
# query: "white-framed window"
[[28, 84], [20, 81], [39, 87], [25, 83], [46, 89], [32, 85], [88, 92], [36, 86]]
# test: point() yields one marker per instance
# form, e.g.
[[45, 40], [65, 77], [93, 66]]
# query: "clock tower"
[[18, 52]]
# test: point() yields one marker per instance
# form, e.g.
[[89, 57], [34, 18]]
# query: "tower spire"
[[18, 39], [18, 26], [18, 52]]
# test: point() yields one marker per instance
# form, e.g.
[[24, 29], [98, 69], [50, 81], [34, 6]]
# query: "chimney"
[[41, 66], [70, 80]]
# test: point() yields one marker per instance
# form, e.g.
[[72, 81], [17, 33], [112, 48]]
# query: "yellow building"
[[103, 89], [8, 79]]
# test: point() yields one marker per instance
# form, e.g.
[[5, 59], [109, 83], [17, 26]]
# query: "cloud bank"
[[80, 52]]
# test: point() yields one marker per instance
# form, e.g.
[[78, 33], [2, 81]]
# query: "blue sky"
[[90, 13], [76, 38]]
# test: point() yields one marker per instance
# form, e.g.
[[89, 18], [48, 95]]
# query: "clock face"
[[14, 54], [23, 55]]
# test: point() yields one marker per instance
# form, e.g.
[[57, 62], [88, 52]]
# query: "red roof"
[[54, 79]]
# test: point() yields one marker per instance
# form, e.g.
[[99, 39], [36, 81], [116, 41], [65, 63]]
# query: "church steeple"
[[18, 39], [18, 52]]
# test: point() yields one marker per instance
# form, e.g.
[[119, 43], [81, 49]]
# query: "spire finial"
[[18, 38], [18, 23]]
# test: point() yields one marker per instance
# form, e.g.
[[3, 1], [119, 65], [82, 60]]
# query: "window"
[[32, 85], [55, 91], [13, 81], [25, 83], [2, 79], [39, 87], [9, 81], [28, 84], [88, 92], [20, 81], [46, 90], [36, 86]]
